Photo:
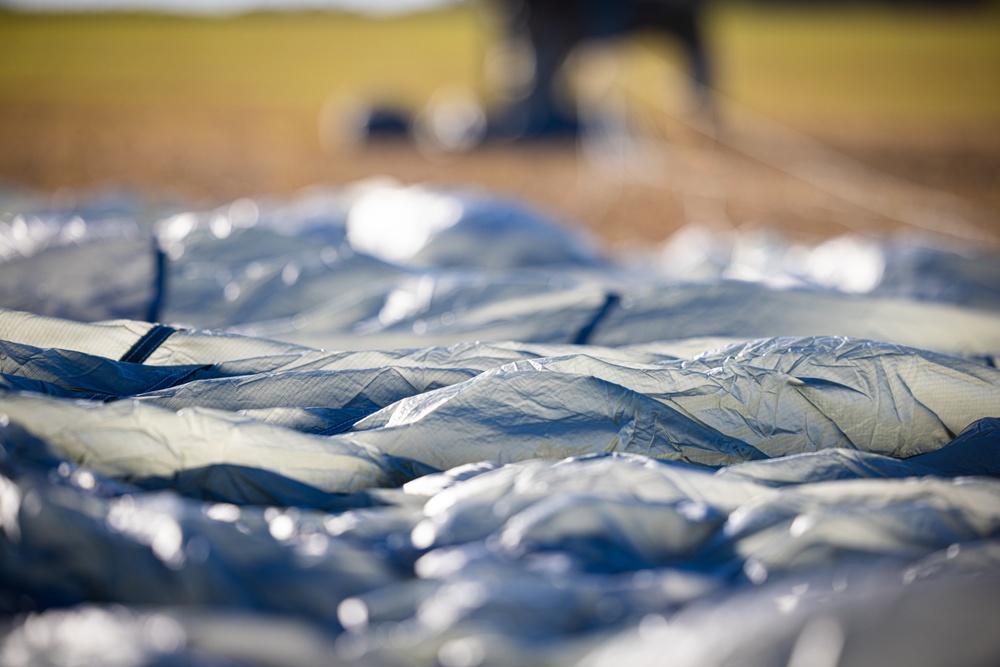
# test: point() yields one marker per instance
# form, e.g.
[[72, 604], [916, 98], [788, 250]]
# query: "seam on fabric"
[[146, 345], [585, 334], [159, 282]]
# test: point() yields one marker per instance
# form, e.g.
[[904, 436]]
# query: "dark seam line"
[[159, 282], [146, 345], [584, 335]]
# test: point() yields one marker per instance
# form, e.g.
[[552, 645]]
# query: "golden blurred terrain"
[[829, 121]]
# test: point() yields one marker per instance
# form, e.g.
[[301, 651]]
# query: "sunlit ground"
[[211, 109]]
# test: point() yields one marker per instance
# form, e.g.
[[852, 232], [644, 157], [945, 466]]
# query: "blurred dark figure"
[[547, 31], [539, 37]]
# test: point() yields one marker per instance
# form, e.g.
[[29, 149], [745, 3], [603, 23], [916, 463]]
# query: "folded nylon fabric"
[[795, 394], [328, 269], [764, 398], [484, 446], [565, 525], [534, 552]]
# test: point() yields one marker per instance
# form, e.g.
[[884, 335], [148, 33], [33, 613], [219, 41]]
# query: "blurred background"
[[825, 117]]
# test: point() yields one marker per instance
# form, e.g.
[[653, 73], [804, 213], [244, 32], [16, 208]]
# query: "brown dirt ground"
[[871, 179]]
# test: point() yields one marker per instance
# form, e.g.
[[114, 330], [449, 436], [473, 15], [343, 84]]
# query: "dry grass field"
[[829, 121]]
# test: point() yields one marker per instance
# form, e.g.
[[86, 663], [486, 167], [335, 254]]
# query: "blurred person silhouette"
[[541, 36]]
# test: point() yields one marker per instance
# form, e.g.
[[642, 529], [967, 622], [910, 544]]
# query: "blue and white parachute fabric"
[[391, 425]]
